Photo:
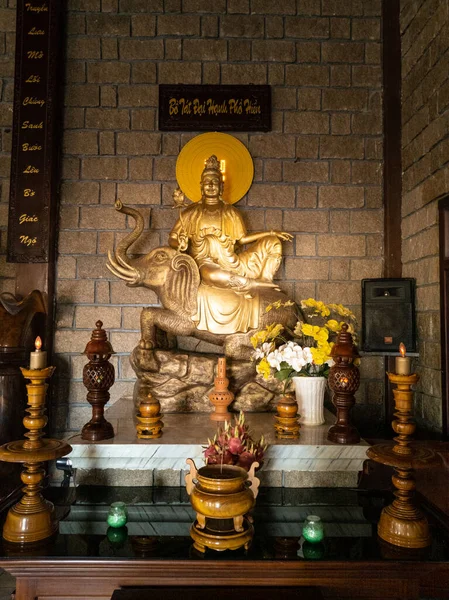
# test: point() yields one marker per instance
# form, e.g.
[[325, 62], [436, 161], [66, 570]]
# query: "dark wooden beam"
[[392, 137], [443, 207]]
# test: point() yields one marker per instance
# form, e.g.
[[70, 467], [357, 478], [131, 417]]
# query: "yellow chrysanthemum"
[[333, 325], [342, 311], [310, 330], [274, 330], [318, 356], [263, 368], [322, 335], [279, 304], [258, 338], [298, 328]]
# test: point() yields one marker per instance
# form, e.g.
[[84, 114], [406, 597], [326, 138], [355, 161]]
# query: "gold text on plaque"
[[38, 9], [29, 192], [28, 125], [31, 169], [36, 31], [251, 107], [32, 100], [30, 147], [28, 219], [33, 79], [35, 54], [232, 106], [27, 240]]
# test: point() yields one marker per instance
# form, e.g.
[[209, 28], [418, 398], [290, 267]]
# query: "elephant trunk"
[[133, 236]]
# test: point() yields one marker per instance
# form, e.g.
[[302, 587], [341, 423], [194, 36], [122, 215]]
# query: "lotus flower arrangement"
[[306, 350], [233, 445]]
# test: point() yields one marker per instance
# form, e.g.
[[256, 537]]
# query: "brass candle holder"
[[286, 421], [402, 523], [32, 518]]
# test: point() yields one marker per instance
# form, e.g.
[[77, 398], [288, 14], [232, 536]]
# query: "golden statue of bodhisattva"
[[207, 287]]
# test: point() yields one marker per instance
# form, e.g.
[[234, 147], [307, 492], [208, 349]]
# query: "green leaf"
[[283, 374]]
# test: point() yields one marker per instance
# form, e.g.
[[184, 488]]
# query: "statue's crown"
[[212, 164]]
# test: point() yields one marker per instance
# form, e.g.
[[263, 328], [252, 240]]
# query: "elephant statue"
[[175, 277]]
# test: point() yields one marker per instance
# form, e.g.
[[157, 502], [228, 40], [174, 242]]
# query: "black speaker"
[[388, 314]]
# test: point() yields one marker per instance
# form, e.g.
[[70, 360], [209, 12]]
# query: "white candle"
[[38, 358], [402, 363]]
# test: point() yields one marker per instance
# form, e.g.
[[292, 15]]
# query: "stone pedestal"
[[181, 382]]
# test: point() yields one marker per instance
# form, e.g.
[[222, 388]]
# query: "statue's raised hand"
[[282, 235]]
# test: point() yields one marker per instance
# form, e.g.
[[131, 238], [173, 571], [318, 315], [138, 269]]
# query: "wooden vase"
[[220, 396]]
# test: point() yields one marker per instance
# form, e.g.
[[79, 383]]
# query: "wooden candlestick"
[[220, 396], [98, 377], [286, 422], [344, 380], [402, 523], [32, 518], [149, 419]]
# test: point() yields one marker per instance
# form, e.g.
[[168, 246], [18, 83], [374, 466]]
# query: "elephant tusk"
[[126, 278], [122, 262], [127, 270]]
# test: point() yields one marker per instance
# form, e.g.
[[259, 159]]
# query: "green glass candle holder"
[[117, 515], [117, 536], [313, 530], [313, 551]]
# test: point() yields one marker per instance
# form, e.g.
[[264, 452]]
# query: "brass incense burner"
[[222, 496]]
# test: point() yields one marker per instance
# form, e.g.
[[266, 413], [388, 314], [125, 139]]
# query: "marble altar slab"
[[310, 461]]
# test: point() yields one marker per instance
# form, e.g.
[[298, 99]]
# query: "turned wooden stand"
[[32, 519], [98, 377], [286, 422], [344, 381], [402, 523], [149, 419]]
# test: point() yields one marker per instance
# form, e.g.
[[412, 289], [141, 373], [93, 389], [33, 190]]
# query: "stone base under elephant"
[[181, 381]]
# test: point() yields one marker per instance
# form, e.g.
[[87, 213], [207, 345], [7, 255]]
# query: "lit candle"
[[344, 382], [402, 363], [38, 359]]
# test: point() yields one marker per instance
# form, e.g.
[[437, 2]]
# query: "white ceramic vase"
[[310, 398]]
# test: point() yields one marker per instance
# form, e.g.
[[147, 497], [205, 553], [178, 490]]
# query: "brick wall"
[[318, 174], [425, 119], [7, 48]]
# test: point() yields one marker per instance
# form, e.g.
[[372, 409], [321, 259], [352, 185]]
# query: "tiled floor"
[[7, 585]]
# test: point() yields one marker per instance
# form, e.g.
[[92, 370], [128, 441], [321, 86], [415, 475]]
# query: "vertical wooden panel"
[[443, 207], [392, 137]]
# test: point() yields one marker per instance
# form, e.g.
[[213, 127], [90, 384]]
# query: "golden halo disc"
[[239, 168]]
